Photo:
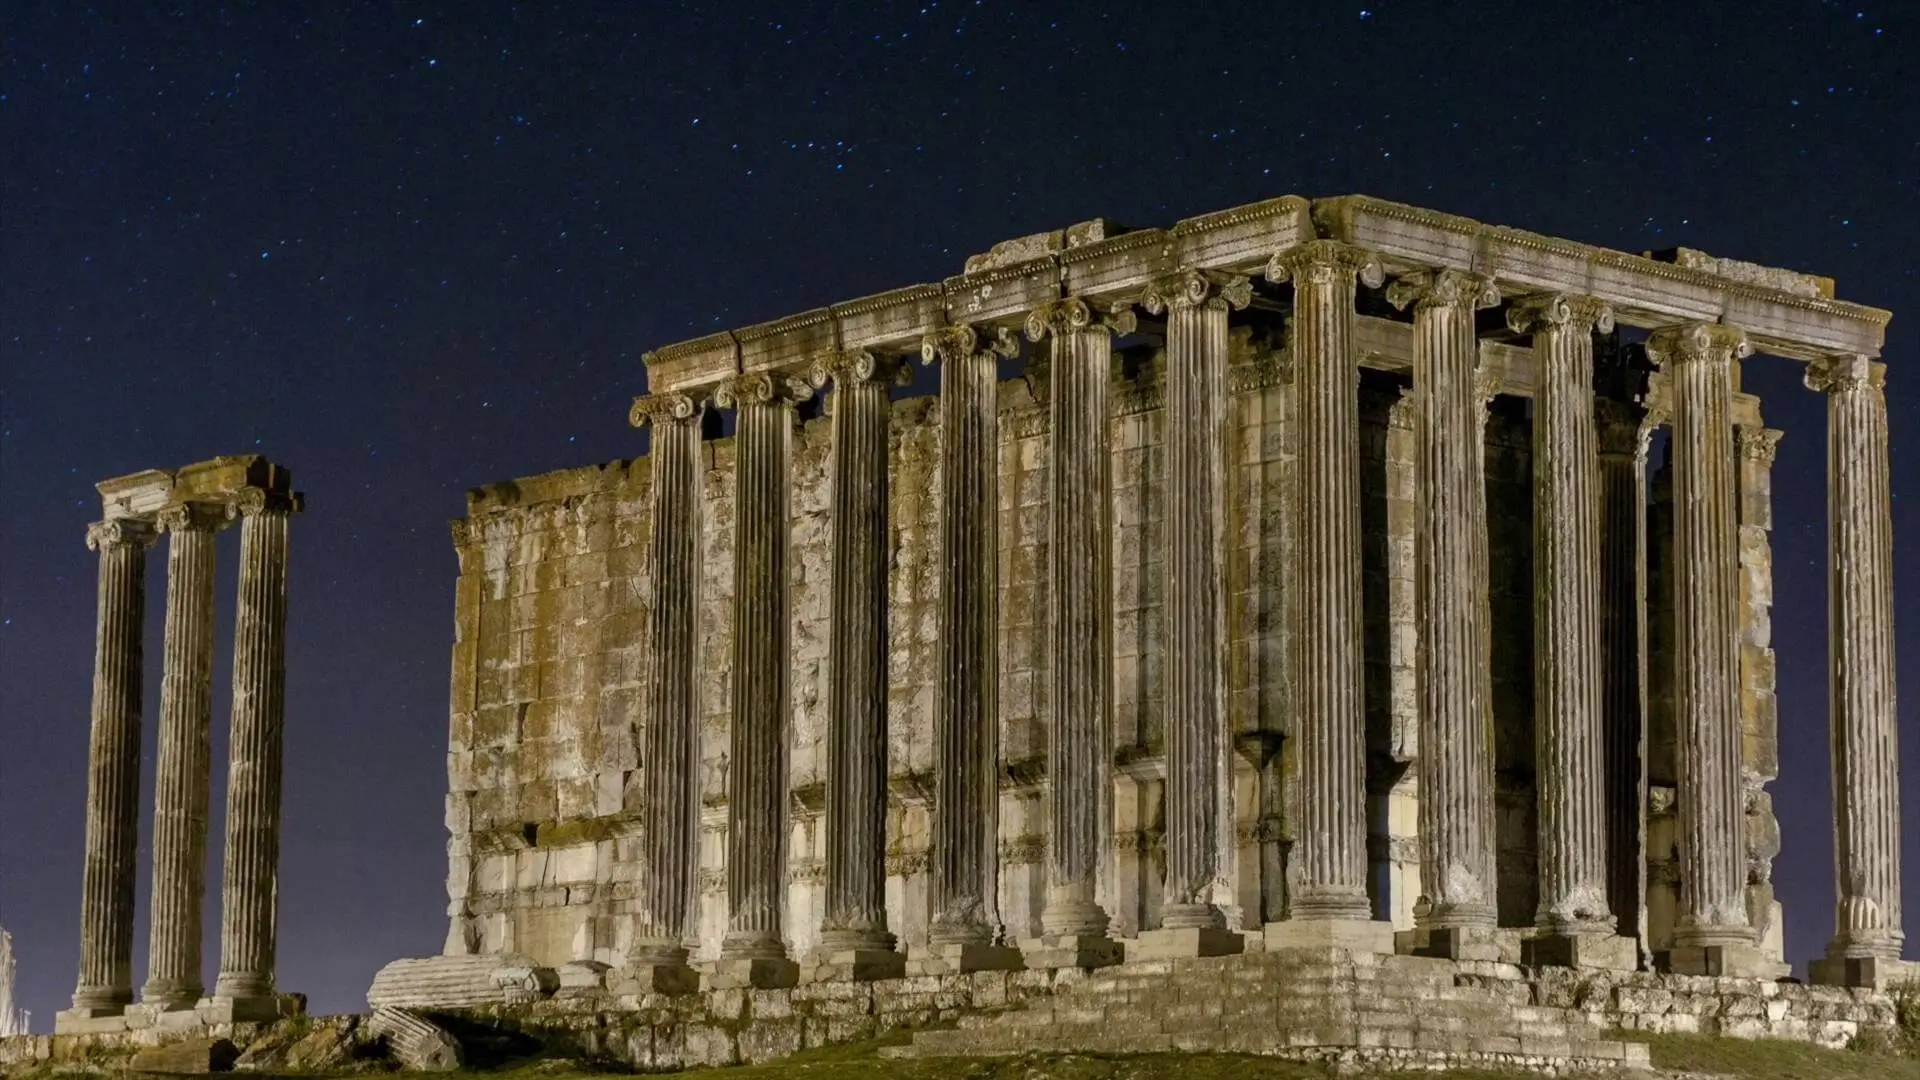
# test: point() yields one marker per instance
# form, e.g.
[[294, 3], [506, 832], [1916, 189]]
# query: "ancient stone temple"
[[188, 506], [1323, 574]]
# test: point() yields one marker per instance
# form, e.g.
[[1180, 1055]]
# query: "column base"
[[753, 973], [1352, 935], [254, 1009], [1740, 961], [960, 958], [1595, 951], [1866, 972], [654, 979], [1479, 943], [854, 965], [1071, 951], [101, 1020], [164, 1019], [1181, 942]]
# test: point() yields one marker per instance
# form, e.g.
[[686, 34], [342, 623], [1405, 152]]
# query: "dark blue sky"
[[408, 248]]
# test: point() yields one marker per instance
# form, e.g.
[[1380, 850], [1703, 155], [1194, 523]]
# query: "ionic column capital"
[[1838, 374], [1069, 313], [252, 501], [669, 407], [1619, 424], [121, 533], [1446, 288], [761, 388], [1319, 262], [1187, 288], [192, 517], [1560, 311], [950, 343], [858, 366], [1710, 343]]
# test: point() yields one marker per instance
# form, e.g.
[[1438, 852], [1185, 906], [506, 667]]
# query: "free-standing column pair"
[[244, 989]]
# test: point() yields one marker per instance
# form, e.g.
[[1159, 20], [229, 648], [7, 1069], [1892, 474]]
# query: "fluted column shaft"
[[1079, 609], [966, 720], [113, 768], [1569, 747], [1711, 800], [856, 892], [757, 739], [1623, 520], [1866, 757], [1330, 849], [1198, 774], [672, 737], [1456, 741], [250, 882], [182, 777]]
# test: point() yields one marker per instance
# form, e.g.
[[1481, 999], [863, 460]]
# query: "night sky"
[[406, 249]]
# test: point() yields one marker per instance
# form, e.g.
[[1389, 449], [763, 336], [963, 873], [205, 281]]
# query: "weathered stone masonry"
[[1259, 611]]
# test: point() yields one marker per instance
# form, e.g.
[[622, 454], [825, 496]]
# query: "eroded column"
[[854, 939], [1456, 746], [1330, 849], [113, 771], [752, 952], [1079, 623], [182, 777], [250, 882], [1569, 744], [966, 721], [657, 954], [1712, 934], [1199, 775], [1866, 758]]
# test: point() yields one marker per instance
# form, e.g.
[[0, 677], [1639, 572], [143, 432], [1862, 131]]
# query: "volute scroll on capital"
[[1834, 374], [253, 501], [1560, 311], [858, 366], [1190, 288], [192, 517], [1698, 342], [121, 533], [959, 342], [668, 407], [1444, 288], [1072, 313], [761, 388], [1316, 262]]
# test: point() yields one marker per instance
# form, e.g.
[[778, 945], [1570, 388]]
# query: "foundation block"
[[1071, 951], [654, 979], [1169, 943], [1353, 935], [855, 965], [954, 959], [754, 973], [1602, 952]]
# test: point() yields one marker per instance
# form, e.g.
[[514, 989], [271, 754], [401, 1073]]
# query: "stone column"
[[1623, 520], [854, 940], [113, 772], [753, 953], [1330, 903], [182, 778], [1712, 934], [1197, 817], [1079, 627], [1865, 950], [966, 720], [657, 954], [1575, 923], [1456, 913], [249, 895]]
